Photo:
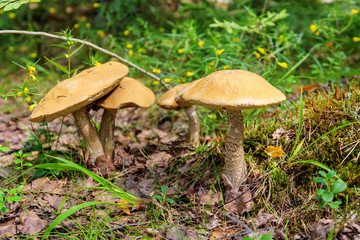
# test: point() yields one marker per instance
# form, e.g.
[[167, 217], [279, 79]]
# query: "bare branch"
[[91, 45]]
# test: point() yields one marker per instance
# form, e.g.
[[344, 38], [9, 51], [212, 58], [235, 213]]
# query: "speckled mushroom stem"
[[89, 134], [235, 165], [107, 127], [193, 135]]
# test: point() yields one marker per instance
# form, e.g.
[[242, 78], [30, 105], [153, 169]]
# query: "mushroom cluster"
[[104, 86], [233, 91]]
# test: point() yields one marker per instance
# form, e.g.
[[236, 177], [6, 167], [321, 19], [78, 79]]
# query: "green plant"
[[20, 158], [333, 186], [162, 197], [11, 196], [9, 5]]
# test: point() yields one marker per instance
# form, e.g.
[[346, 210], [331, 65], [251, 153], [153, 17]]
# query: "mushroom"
[[129, 93], [73, 95], [233, 90], [168, 101]]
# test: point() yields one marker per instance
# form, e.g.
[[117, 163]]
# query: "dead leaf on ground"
[[266, 219], [160, 159], [274, 152], [210, 197], [8, 228], [31, 223], [319, 230]]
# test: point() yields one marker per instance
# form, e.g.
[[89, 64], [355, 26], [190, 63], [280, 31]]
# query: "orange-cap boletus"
[[233, 90], [129, 93], [73, 95]]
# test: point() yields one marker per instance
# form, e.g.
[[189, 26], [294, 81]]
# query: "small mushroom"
[[233, 90], [129, 93], [73, 95], [169, 101]]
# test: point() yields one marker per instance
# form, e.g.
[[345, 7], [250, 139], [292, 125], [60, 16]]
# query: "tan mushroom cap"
[[169, 99], [79, 91], [129, 93], [233, 90]]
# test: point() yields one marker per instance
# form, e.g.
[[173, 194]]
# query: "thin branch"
[[91, 45]]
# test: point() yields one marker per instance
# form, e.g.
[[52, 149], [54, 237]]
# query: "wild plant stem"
[[91, 45]]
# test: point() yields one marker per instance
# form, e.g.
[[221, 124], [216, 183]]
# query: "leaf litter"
[[148, 156]]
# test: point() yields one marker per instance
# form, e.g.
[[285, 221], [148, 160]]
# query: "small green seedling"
[[333, 186], [162, 198], [12, 196], [20, 160]]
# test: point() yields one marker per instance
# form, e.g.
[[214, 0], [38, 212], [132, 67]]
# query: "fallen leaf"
[[123, 204], [274, 152], [31, 223]]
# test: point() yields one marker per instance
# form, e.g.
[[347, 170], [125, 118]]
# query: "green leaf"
[[63, 69], [322, 173], [330, 174], [335, 204], [327, 196], [320, 180], [339, 186]]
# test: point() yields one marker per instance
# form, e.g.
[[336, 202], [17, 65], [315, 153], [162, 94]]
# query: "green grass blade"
[[323, 166], [69, 212]]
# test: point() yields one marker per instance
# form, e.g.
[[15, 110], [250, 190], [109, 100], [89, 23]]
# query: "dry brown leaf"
[[31, 223], [210, 198], [274, 152], [217, 234], [7, 229], [160, 159], [265, 219]]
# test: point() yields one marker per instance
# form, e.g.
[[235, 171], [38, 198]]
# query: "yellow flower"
[[11, 48], [219, 51], [235, 39], [156, 70], [201, 43], [131, 52], [189, 74], [96, 5], [313, 28], [33, 77], [181, 50], [126, 32], [281, 39], [142, 50], [283, 64], [101, 33], [356, 39], [155, 82], [257, 54], [83, 18], [262, 50], [212, 116], [354, 11], [129, 46], [33, 55], [226, 67], [1, 11], [28, 99], [52, 10], [12, 15], [212, 64], [26, 89], [97, 63], [317, 33], [31, 69], [88, 25], [167, 80], [19, 94], [162, 29], [76, 25], [32, 106]]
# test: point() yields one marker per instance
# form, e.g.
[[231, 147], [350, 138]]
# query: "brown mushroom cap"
[[233, 90], [129, 93], [169, 99], [77, 92]]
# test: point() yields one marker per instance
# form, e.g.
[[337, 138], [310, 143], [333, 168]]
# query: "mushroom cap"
[[168, 99], [129, 93], [233, 90], [79, 91]]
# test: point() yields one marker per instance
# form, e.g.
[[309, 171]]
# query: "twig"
[[123, 226], [244, 233], [239, 222], [91, 45]]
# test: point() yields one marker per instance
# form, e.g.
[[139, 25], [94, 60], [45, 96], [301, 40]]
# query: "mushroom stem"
[[89, 134], [193, 135], [107, 127], [235, 165]]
